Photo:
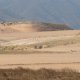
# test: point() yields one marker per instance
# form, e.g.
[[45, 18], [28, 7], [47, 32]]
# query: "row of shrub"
[[42, 74]]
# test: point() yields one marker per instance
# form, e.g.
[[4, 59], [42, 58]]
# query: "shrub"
[[42, 74]]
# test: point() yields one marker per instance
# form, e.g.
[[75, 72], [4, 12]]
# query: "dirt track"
[[35, 61]]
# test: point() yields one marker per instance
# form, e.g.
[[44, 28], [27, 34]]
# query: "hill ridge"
[[31, 27]]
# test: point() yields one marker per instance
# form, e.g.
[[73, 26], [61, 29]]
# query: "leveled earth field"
[[39, 49]]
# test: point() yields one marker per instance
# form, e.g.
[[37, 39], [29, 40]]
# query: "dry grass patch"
[[53, 43], [42, 74]]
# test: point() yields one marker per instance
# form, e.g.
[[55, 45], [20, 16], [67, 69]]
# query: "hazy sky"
[[60, 11]]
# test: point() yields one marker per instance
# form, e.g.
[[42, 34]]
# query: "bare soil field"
[[35, 50], [49, 41], [37, 61]]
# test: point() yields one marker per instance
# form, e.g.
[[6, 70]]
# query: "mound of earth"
[[31, 27]]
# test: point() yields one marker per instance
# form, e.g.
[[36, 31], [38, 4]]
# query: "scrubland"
[[41, 74]]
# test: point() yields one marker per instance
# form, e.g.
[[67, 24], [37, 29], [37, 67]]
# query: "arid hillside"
[[65, 40], [35, 50], [31, 27]]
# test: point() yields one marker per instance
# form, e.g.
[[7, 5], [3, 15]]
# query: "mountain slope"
[[56, 11], [31, 27]]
